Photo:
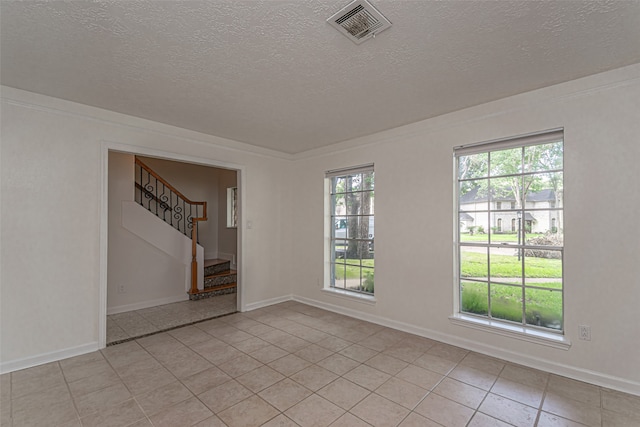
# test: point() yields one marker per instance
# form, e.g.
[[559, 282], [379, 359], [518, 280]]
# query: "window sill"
[[353, 296], [513, 331]]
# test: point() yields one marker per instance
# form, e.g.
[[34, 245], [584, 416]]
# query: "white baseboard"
[[592, 377], [211, 255], [41, 359], [266, 303], [146, 304]]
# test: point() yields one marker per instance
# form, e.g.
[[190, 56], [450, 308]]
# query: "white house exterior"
[[500, 215]]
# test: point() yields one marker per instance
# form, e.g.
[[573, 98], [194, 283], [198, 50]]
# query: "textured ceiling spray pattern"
[[274, 74]]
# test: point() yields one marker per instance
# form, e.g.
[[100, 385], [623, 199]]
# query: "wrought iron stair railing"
[[162, 199]]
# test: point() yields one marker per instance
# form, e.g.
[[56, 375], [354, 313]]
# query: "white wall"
[[146, 272], [415, 220], [52, 154]]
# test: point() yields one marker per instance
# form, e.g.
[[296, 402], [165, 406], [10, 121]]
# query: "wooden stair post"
[[194, 258]]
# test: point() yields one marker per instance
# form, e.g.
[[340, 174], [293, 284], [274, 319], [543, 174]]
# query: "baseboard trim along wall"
[[592, 377], [579, 374], [41, 359], [267, 302], [147, 304]]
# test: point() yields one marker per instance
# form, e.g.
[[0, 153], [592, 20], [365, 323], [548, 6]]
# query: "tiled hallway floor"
[[138, 323], [295, 365]]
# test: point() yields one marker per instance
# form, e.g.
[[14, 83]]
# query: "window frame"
[[232, 207], [523, 330], [330, 233]]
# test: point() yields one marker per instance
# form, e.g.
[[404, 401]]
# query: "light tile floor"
[[123, 327], [295, 365]]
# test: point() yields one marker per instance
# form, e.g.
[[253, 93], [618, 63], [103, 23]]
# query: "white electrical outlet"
[[585, 332], [122, 289]]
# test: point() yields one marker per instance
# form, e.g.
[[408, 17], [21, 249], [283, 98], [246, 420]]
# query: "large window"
[[511, 275], [351, 247]]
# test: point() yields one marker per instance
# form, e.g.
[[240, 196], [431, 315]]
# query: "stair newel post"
[[194, 259]]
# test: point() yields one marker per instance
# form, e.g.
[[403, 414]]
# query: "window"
[[351, 248], [512, 277], [232, 207]]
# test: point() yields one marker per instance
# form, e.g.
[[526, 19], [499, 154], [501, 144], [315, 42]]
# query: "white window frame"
[[531, 333], [232, 207], [330, 237]]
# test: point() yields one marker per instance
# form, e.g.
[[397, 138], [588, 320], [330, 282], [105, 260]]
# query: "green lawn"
[[353, 270], [474, 264], [543, 307]]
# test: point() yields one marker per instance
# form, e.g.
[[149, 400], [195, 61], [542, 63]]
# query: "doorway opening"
[[146, 275]]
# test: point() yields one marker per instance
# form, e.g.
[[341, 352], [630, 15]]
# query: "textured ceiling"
[[274, 74]]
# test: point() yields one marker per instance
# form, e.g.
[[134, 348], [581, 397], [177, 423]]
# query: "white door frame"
[[104, 217]]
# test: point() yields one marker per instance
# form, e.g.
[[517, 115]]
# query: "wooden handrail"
[[172, 188], [194, 222]]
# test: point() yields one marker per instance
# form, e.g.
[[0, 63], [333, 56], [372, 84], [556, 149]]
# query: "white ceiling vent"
[[359, 21]]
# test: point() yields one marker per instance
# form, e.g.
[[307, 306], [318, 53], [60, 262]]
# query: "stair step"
[[213, 292], [215, 266], [223, 273], [219, 279]]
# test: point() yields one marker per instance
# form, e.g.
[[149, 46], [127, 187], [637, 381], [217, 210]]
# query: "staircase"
[[162, 199], [219, 279]]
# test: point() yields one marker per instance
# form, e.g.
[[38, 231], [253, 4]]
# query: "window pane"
[[543, 229], [354, 182], [338, 185], [365, 227], [473, 195], [506, 162], [544, 308], [505, 191], [474, 298], [339, 207], [504, 227], [339, 274], [359, 203], [368, 180], [506, 302], [543, 157], [474, 263], [474, 166], [473, 227], [543, 271], [506, 265], [340, 249]]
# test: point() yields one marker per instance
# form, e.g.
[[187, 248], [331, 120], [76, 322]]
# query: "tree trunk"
[[352, 201], [363, 247]]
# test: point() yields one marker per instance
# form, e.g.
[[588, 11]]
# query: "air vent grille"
[[359, 21]]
